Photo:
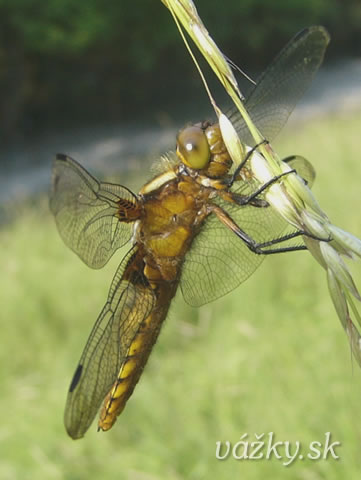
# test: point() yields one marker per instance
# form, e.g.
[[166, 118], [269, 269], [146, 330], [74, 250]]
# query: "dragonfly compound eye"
[[193, 148]]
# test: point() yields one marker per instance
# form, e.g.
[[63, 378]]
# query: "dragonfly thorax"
[[220, 160]]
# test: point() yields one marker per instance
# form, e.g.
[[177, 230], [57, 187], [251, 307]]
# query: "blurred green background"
[[269, 357], [62, 61]]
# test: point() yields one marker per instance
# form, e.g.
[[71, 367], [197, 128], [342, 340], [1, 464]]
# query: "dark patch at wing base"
[[94, 219]]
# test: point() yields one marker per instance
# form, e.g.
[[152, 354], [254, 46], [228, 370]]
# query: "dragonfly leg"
[[252, 199], [245, 200], [244, 161], [256, 247], [238, 199]]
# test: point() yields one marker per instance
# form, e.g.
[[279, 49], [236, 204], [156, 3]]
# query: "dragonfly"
[[201, 225]]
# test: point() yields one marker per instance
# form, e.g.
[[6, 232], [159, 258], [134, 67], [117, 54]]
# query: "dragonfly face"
[[201, 148], [191, 228]]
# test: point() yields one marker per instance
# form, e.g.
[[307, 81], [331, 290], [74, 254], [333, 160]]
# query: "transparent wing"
[[129, 303], [303, 167], [94, 219], [282, 84], [218, 260]]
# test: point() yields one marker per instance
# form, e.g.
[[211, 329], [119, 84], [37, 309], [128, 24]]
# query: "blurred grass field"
[[270, 357]]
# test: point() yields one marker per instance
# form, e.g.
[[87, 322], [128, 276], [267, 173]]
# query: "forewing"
[[303, 168], [94, 219], [218, 261], [129, 303], [282, 84]]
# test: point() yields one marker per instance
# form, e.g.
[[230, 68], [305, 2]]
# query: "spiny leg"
[[244, 161], [245, 200], [251, 199], [256, 247]]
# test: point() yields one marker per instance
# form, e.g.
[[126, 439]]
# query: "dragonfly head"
[[192, 147], [201, 147]]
